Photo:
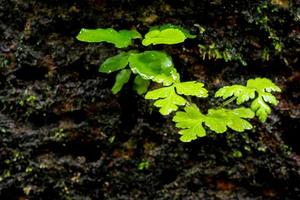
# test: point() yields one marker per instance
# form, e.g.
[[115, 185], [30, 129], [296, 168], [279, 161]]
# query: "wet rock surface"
[[63, 135]]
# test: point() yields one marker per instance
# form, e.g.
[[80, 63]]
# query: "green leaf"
[[243, 112], [170, 103], [191, 88], [120, 39], [260, 86], [167, 79], [121, 78], [219, 119], [242, 93], [153, 65], [190, 122], [172, 26], [167, 34], [115, 63], [270, 98], [263, 85], [140, 85], [261, 109], [169, 100], [166, 99]]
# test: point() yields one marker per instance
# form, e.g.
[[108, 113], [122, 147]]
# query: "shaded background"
[[63, 135]]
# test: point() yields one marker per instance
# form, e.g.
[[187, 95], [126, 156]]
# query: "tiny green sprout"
[[4, 62], [28, 169], [144, 164], [59, 134], [27, 189], [31, 99], [201, 28], [237, 154], [227, 54], [265, 55], [258, 89], [5, 175], [111, 139]]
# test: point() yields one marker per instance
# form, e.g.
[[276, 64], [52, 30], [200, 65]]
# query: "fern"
[[263, 87], [191, 121], [219, 119], [168, 98], [258, 89], [157, 66], [240, 92]]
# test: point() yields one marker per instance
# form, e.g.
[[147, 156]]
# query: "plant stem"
[[228, 101]]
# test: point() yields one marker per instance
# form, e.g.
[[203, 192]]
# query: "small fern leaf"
[[191, 88], [190, 122], [238, 116], [242, 93], [166, 99], [216, 123], [263, 85], [219, 119], [170, 103], [270, 98], [260, 86], [261, 109]]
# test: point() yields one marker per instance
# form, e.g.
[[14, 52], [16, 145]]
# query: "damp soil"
[[64, 135]]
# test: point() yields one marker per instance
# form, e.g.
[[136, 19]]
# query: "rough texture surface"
[[63, 135]]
